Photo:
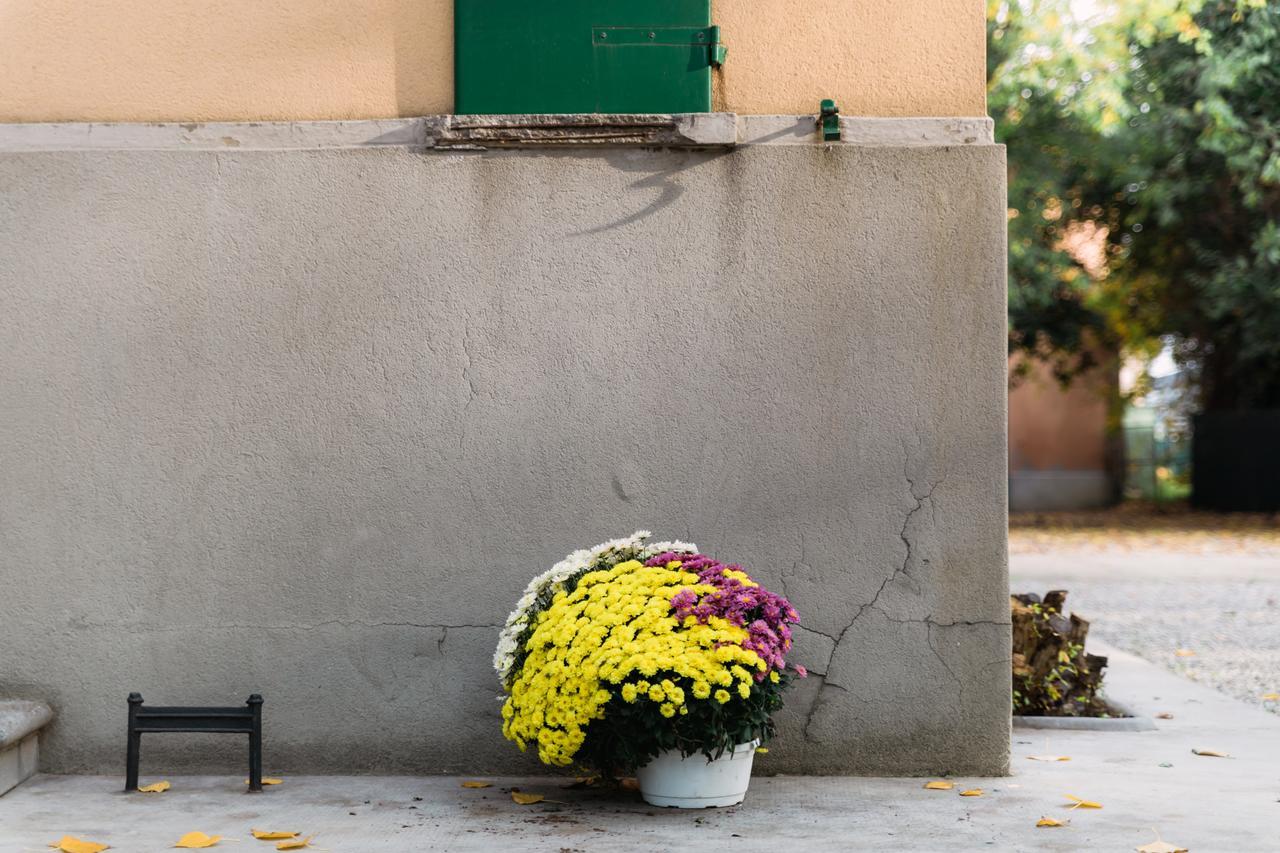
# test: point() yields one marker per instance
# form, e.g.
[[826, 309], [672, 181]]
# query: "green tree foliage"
[[1159, 121]]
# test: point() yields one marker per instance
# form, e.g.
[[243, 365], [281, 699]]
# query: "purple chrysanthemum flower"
[[766, 615]]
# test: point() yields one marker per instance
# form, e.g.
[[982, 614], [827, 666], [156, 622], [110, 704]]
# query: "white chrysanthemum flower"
[[663, 547]]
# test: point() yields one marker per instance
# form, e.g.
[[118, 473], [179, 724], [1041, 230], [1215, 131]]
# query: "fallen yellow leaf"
[[583, 782], [71, 844], [1271, 697], [156, 788], [197, 839], [762, 750], [272, 834], [1078, 803], [1185, 653], [1160, 847], [475, 784], [1211, 753], [1051, 821], [526, 799], [972, 792], [295, 843], [1164, 715], [1049, 757], [268, 780], [939, 786]]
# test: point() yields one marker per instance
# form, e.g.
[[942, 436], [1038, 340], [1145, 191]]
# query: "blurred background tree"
[[1144, 185]]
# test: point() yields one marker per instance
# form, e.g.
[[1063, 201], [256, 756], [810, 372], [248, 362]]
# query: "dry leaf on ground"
[[1077, 803], [155, 788], [272, 834], [1164, 715], [939, 786], [526, 799], [1160, 847], [1271, 697], [197, 839], [1049, 757], [473, 783], [1211, 753], [1185, 653], [71, 844], [972, 792], [268, 780], [1051, 821], [295, 843], [583, 782]]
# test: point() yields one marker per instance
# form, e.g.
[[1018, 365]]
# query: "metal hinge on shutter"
[[708, 37]]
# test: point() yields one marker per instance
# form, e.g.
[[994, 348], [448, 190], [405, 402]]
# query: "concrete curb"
[[20, 724], [21, 717], [453, 132], [1131, 722]]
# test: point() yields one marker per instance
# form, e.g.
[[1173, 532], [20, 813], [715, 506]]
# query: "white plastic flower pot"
[[695, 783]]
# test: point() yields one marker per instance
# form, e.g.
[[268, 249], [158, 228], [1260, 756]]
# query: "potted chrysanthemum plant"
[[648, 658]]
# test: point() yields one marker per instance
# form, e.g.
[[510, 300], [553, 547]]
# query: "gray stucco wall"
[[305, 423]]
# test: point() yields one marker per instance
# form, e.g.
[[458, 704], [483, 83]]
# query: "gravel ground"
[[1199, 600]]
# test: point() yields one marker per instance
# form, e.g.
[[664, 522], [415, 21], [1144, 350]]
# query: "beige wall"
[[1055, 428], [206, 60], [1060, 443]]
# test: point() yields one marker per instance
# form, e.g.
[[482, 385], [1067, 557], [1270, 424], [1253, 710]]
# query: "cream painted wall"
[[875, 57], [207, 60]]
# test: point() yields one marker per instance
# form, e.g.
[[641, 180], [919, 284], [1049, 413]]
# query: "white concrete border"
[[20, 724], [21, 717], [691, 130], [859, 130]]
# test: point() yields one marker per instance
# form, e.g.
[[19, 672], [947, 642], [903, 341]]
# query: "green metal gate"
[[584, 56]]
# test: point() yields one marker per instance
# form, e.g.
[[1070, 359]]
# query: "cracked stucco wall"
[[305, 422]]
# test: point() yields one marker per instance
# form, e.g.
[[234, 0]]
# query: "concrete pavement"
[[1143, 780]]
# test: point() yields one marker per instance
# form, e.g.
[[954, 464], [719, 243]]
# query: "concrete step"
[[20, 723]]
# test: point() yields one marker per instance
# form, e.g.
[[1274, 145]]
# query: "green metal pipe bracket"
[[829, 120]]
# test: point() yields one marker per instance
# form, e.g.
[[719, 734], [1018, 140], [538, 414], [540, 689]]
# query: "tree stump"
[[1052, 674]]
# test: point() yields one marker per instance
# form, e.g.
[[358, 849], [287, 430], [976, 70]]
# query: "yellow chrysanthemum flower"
[[616, 629]]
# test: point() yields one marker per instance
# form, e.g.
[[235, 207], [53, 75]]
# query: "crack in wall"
[[472, 390], [795, 565], [933, 647], [875, 599], [818, 702]]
